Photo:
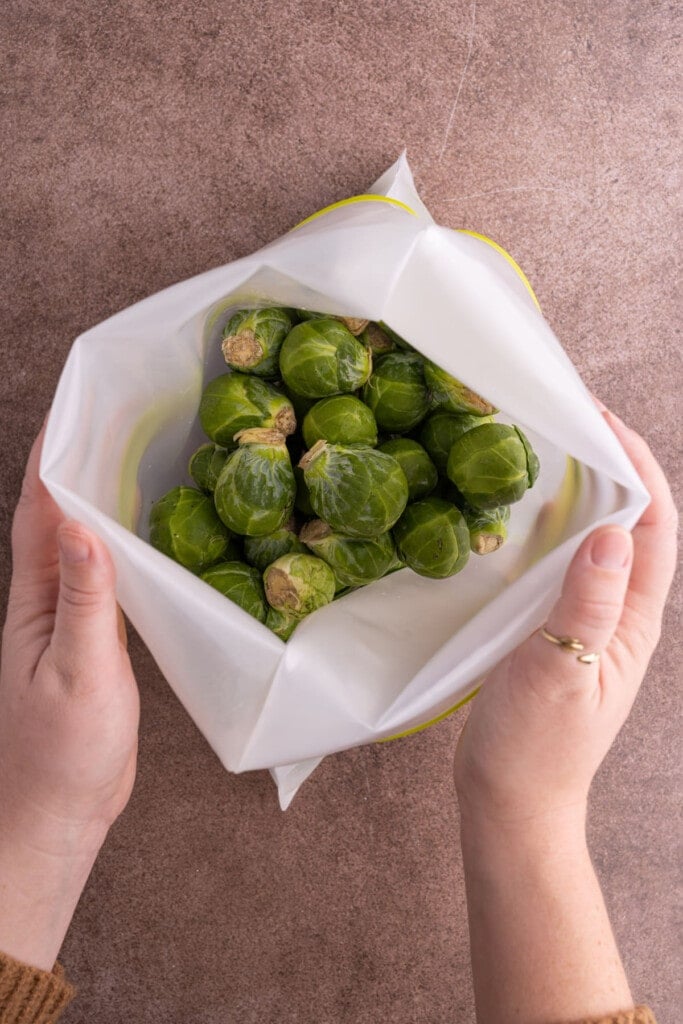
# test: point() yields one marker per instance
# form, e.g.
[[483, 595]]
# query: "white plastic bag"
[[390, 656]]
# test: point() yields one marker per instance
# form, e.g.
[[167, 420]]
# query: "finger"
[[85, 639], [34, 528], [121, 624], [654, 536], [589, 608]]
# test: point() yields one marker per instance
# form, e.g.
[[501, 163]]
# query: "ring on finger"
[[571, 644]]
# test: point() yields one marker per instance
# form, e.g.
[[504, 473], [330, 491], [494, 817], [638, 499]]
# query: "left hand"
[[69, 705], [543, 722]]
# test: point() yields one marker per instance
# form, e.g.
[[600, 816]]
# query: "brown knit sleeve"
[[639, 1015], [31, 996]]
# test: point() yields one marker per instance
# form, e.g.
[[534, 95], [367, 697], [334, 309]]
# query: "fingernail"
[[73, 547], [611, 549]]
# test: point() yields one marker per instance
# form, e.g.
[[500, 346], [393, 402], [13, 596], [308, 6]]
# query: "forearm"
[[542, 945], [40, 886]]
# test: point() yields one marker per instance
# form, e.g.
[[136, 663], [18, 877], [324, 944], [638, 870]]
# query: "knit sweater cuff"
[[31, 996], [639, 1015]]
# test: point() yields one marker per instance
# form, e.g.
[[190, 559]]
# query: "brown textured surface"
[[144, 142]]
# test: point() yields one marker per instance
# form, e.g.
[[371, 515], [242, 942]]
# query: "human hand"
[[69, 713], [543, 721]]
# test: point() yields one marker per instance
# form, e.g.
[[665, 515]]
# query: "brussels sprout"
[[342, 419], [300, 404], [355, 324], [419, 469], [488, 527], [354, 562], [298, 584], [492, 465], [242, 584], [302, 501], [533, 465], [450, 394], [309, 314], [184, 525], [282, 623], [253, 338], [441, 430], [255, 492], [205, 466], [377, 339], [398, 341], [321, 358], [432, 538], [234, 402], [261, 551], [359, 491], [396, 391], [352, 323]]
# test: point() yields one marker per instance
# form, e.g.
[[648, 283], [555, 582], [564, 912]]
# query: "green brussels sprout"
[[184, 525], [309, 314], [492, 465], [396, 391], [533, 465], [302, 501], [235, 401], [342, 419], [354, 562], [242, 584], [253, 338], [398, 341], [442, 429], [281, 623], [488, 527], [359, 491], [298, 584], [255, 492], [450, 394], [300, 404], [432, 538], [377, 339], [321, 358], [419, 469], [261, 551], [354, 324], [205, 466]]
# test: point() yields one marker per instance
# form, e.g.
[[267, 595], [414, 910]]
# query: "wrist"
[[42, 875], [549, 836]]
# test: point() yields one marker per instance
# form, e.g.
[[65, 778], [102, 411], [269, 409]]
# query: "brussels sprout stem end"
[[486, 543], [285, 421], [260, 435], [315, 530], [312, 454], [280, 590], [242, 349]]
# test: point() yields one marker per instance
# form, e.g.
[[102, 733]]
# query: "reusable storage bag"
[[399, 653]]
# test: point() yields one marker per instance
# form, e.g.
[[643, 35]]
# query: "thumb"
[[590, 606], [85, 637]]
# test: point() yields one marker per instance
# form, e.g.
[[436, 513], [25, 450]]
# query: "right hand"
[[69, 704], [543, 721]]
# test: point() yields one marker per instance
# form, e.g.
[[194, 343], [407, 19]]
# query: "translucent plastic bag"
[[400, 652]]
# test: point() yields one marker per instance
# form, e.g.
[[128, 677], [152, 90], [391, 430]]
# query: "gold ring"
[[571, 644]]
